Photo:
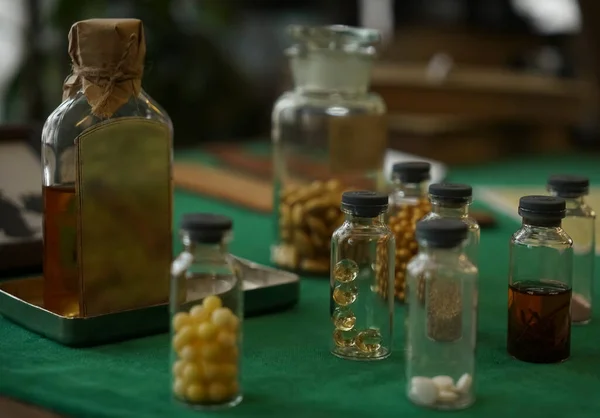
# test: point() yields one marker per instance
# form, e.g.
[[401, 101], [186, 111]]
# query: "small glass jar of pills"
[[207, 311], [579, 223], [362, 260], [408, 203], [442, 318], [539, 283], [452, 200]]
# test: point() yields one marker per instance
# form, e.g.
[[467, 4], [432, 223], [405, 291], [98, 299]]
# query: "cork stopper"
[[108, 62]]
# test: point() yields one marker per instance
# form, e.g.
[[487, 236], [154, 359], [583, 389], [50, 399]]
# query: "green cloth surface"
[[287, 369]]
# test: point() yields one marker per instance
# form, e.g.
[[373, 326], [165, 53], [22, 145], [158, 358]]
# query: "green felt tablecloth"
[[288, 370]]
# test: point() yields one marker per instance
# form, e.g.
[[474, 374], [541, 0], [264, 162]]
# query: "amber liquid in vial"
[[539, 321], [61, 288]]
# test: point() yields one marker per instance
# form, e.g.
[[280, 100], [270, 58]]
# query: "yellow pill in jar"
[[212, 303], [183, 337], [344, 295], [217, 392], [226, 339], [368, 341], [180, 320], [199, 314], [227, 372], [234, 323], [207, 331], [196, 393], [191, 372], [178, 367], [221, 317], [344, 338], [179, 388], [210, 371], [210, 351], [188, 352]]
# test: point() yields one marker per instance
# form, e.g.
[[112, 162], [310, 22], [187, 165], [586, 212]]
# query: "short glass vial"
[[441, 328], [362, 257], [579, 223], [206, 316], [452, 200], [539, 283], [408, 204]]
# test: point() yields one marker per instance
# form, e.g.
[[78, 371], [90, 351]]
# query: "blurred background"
[[464, 80]]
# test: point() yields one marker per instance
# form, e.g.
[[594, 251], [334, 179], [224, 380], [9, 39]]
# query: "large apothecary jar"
[[329, 135]]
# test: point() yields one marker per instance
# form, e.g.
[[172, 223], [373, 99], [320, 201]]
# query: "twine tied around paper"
[[100, 84]]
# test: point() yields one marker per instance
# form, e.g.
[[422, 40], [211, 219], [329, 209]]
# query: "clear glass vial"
[[539, 283], [206, 316], [329, 135], [441, 326], [452, 200], [362, 261], [408, 204], [579, 223]]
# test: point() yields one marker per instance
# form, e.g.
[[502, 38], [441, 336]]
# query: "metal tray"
[[266, 290]]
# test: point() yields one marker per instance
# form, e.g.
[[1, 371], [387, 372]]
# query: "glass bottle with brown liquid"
[[540, 280], [77, 114]]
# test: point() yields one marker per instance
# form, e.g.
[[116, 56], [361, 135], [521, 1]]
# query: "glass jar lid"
[[347, 39]]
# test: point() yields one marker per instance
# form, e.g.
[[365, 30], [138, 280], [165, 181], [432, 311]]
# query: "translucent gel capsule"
[[344, 338], [343, 319], [345, 294], [368, 341], [345, 271]]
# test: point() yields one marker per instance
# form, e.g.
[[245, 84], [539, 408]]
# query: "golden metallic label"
[[357, 142], [124, 190]]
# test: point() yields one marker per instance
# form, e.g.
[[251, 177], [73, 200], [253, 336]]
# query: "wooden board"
[[506, 200]]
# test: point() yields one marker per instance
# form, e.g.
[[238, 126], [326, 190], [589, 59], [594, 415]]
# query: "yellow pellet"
[[178, 367], [199, 314], [211, 303], [191, 372], [183, 337], [180, 320], [207, 331], [179, 388], [217, 392], [210, 351], [221, 317], [188, 352], [226, 339], [196, 393], [210, 371], [227, 372]]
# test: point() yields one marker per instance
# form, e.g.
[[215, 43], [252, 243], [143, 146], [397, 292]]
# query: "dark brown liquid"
[[61, 285], [539, 321]]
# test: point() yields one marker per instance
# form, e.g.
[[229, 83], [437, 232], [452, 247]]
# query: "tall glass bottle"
[[442, 318], [451, 200], [329, 134], [408, 204], [579, 223], [206, 316], [89, 101], [362, 259], [539, 284]]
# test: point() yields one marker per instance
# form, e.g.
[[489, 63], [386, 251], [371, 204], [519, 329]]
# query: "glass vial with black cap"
[[206, 316], [362, 262], [539, 287], [441, 326], [408, 204], [579, 223], [452, 200]]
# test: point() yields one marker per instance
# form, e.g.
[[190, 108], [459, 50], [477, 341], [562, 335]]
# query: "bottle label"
[[125, 193]]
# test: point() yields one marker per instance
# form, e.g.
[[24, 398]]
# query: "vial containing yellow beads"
[[206, 316], [362, 257]]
